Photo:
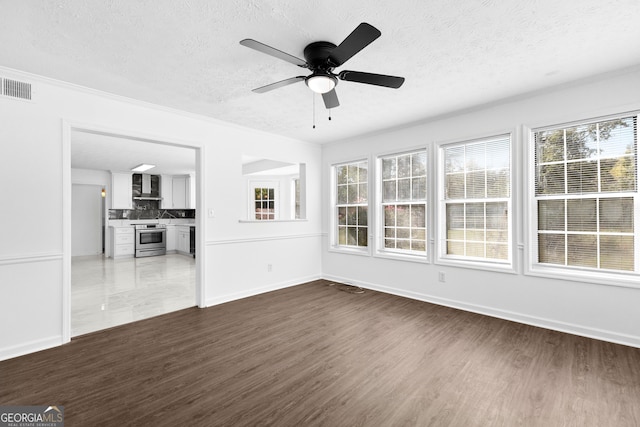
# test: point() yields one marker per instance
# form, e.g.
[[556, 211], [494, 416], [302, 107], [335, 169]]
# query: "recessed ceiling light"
[[143, 167]]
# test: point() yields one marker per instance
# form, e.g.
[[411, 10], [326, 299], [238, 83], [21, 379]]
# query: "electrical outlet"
[[269, 268], [441, 276]]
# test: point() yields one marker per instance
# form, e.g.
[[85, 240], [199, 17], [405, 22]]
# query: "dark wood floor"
[[313, 355]]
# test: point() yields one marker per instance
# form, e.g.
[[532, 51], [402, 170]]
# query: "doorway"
[[118, 291], [87, 220]]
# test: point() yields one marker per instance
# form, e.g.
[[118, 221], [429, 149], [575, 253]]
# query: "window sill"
[[422, 259], [625, 280], [478, 265], [258, 221], [350, 250]]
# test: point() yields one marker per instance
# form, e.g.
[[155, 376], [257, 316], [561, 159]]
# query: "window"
[[351, 207], [476, 200], [295, 189], [287, 201], [404, 202], [264, 201], [586, 193]]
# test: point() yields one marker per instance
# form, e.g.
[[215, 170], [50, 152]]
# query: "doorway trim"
[[67, 127]]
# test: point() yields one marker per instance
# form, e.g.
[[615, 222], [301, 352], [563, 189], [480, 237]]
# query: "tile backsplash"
[[133, 214]]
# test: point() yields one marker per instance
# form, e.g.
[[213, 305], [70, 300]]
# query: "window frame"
[[334, 245], [379, 234], [296, 207], [577, 273], [255, 184], [441, 257]]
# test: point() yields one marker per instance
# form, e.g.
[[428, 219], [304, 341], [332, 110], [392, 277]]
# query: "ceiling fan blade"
[[360, 38], [279, 84], [371, 79], [331, 99], [261, 47]]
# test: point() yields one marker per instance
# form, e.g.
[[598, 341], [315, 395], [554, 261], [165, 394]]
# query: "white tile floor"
[[107, 292]]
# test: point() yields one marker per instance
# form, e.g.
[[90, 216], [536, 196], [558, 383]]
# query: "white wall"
[[95, 177], [86, 220], [34, 267], [596, 310]]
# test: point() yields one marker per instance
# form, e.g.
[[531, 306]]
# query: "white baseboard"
[[30, 347], [589, 332], [259, 290]]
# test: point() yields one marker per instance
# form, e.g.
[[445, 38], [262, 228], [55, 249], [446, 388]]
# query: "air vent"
[[16, 89]]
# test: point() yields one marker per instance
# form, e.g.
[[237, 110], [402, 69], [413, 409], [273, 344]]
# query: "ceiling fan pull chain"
[[313, 99], [329, 113]]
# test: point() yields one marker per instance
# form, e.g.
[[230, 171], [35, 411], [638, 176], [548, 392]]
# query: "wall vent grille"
[[15, 89]]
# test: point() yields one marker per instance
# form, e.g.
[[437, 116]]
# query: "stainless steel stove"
[[151, 240]]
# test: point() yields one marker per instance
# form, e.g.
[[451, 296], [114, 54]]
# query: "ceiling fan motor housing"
[[317, 53]]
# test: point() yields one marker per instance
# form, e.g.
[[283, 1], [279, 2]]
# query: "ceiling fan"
[[322, 57]]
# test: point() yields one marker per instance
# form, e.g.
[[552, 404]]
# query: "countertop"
[[130, 223]]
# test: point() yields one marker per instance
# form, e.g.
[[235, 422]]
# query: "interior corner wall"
[[32, 259], [595, 310]]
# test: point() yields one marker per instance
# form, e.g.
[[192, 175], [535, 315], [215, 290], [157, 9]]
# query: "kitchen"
[[150, 215], [145, 263]]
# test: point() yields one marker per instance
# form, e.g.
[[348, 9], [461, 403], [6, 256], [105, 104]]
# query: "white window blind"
[[404, 200], [477, 200], [586, 187]]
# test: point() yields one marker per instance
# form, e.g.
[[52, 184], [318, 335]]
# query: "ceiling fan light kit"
[[321, 83], [322, 58]]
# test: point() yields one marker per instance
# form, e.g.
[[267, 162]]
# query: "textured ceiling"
[[185, 54]]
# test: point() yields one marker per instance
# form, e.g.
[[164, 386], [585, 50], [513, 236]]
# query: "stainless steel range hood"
[[146, 183], [148, 190]]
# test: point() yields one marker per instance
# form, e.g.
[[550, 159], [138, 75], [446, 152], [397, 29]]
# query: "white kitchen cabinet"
[[180, 187], [121, 194], [123, 241], [191, 195], [166, 191], [178, 192], [171, 238], [183, 236]]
